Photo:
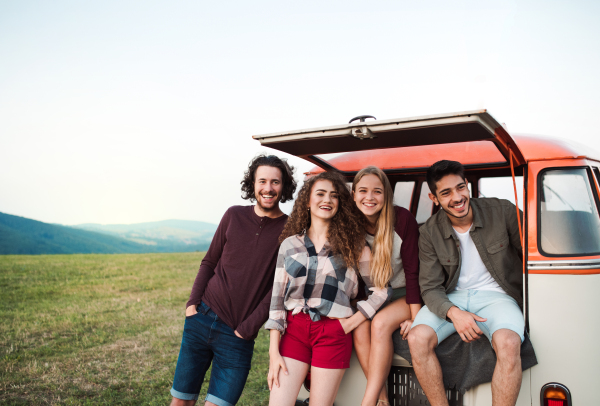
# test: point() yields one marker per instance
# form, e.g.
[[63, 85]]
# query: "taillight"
[[555, 394]]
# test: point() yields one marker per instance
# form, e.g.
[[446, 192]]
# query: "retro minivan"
[[555, 183]]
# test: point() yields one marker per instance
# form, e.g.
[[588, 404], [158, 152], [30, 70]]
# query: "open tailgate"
[[405, 132]]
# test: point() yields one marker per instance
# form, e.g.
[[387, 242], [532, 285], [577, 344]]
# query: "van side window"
[[597, 173], [403, 192], [502, 188], [425, 207], [569, 223]]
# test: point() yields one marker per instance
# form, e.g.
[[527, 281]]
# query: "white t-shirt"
[[473, 273]]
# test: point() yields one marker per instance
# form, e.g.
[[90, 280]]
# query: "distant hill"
[[159, 233], [20, 235]]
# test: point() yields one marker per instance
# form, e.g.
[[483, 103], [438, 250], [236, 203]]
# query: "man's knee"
[[421, 339], [507, 344]]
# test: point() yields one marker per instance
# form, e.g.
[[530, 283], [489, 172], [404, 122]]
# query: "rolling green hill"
[[159, 233], [20, 235]]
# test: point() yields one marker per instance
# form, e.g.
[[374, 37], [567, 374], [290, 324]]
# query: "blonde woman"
[[393, 235]]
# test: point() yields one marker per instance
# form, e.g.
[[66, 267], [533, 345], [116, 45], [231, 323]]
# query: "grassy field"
[[99, 329]]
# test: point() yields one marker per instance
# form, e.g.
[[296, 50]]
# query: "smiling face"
[[323, 201], [452, 195], [369, 196], [267, 188]]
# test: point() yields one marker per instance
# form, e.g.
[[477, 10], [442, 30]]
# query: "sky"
[[135, 111]]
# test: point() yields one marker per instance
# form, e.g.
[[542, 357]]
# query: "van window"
[[403, 192], [569, 220], [597, 172], [502, 188], [425, 207]]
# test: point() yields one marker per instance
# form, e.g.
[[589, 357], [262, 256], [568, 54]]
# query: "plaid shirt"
[[319, 284]]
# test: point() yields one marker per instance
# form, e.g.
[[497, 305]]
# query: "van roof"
[[472, 154]]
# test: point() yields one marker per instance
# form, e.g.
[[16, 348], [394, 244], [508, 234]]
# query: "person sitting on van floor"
[[231, 295], [471, 282], [393, 235]]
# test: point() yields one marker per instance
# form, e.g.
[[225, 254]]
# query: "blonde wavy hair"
[[381, 256]]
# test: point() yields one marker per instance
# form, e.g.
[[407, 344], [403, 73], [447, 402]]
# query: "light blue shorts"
[[500, 310]]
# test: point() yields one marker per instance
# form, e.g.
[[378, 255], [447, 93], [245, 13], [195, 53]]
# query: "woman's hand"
[[405, 328], [350, 323], [346, 325], [190, 310], [276, 363]]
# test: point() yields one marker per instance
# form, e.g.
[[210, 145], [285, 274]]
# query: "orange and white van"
[[557, 185]]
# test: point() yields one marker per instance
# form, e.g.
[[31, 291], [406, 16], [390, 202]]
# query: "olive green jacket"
[[495, 232]]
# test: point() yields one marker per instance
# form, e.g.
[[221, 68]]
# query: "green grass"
[[99, 329]]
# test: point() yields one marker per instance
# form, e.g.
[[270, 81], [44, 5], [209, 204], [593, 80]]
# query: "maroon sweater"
[[407, 228], [236, 275]]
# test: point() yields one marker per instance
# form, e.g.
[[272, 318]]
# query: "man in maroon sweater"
[[232, 292]]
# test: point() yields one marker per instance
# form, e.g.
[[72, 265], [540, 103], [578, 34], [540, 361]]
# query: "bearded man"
[[231, 295]]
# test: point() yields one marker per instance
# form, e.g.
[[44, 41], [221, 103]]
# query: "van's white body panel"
[[565, 328]]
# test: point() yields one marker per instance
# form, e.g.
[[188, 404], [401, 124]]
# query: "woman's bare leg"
[[361, 339], [289, 385], [383, 325], [324, 385]]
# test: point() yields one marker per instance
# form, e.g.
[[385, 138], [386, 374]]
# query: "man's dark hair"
[[442, 168], [287, 176]]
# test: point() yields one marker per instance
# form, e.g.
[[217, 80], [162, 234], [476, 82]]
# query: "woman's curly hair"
[[346, 233], [287, 177]]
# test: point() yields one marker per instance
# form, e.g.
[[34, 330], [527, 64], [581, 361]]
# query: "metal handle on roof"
[[361, 118], [363, 133]]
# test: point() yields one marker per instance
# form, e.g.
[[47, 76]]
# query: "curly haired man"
[[232, 292]]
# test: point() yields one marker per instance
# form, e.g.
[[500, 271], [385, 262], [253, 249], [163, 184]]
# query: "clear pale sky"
[[134, 111]]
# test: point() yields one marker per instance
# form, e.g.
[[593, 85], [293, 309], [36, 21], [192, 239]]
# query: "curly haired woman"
[[323, 247], [393, 235]]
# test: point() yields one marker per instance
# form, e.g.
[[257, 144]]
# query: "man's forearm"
[[438, 303], [204, 275]]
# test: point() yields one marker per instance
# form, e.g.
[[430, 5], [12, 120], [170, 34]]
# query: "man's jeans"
[[206, 339]]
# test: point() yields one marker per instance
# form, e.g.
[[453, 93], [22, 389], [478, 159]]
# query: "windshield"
[[569, 220]]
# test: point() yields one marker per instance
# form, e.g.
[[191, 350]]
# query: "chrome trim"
[[565, 264]]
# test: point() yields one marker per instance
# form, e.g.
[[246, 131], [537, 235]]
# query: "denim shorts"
[[207, 339], [500, 310]]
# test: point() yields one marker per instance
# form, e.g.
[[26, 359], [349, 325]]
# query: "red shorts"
[[322, 344]]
